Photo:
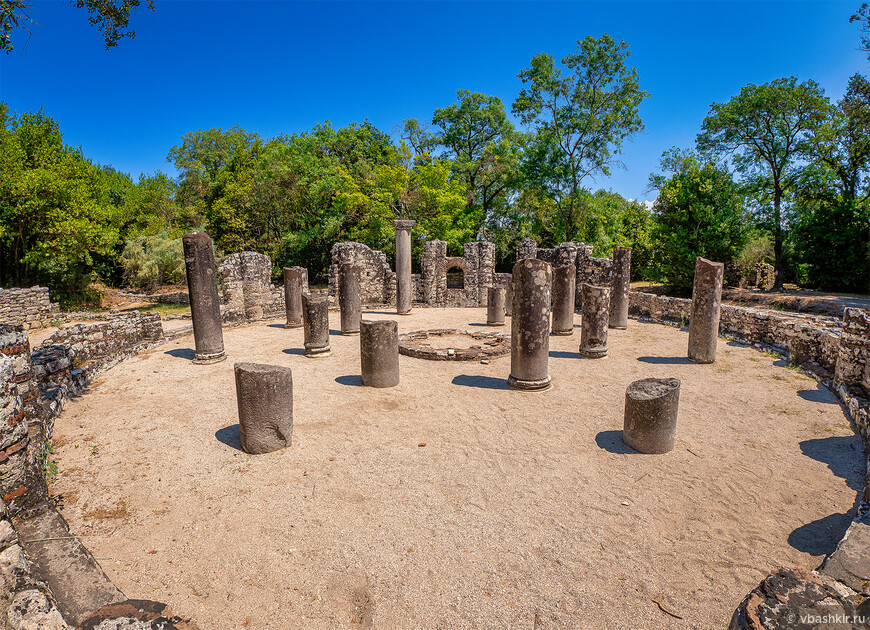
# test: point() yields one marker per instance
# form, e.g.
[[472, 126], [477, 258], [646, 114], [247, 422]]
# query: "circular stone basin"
[[449, 344]]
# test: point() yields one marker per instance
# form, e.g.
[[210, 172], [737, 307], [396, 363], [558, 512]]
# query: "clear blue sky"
[[284, 66]]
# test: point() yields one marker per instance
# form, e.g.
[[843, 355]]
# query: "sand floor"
[[522, 510]]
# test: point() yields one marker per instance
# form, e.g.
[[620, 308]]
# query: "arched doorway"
[[455, 278]]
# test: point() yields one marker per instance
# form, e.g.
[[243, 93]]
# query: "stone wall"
[[31, 308], [246, 285], [377, 282], [762, 276]]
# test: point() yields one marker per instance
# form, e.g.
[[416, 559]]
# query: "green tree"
[[862, 16], [765, 130], [580, 118]]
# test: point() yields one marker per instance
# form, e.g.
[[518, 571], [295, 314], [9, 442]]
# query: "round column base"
[[562, 333], [530, 386], [593, 353], [348, 333], [205, 359], [294, 325], [316, 353], [495, 323]]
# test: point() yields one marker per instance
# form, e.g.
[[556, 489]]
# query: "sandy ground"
[[522, 510]]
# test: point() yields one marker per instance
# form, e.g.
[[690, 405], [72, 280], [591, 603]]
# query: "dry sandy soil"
[[522, 510]]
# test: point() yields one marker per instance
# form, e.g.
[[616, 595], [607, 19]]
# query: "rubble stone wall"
[[31, 308], [377, 282]]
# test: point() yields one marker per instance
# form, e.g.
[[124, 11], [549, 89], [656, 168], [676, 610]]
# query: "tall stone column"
[[264, 394], [530, 325], [620, 285], [706, 304], [596, 313], [564, 278], [316, 319], [379, 352], [349, 299], [495, 301], [204, 302], [404, 286], [295, 280]]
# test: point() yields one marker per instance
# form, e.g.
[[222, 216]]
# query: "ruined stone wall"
[[854, 350], [16, 393], [31, 308], [377, 282], [527, 248], [762, 276], [246, 285]]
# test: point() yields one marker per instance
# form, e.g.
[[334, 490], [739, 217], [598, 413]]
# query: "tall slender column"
[[564, 278], [349, 299], [495, 301], [706, 303], [596, 312], [295, 279], [620, 285], [530, 325], [404, 287], [204, 302], [316, 309]]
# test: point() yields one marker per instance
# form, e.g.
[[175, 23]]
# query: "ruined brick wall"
[[762, 276], [377, 282], [31, 308], [854, 350], [16, 393], [246, 284]]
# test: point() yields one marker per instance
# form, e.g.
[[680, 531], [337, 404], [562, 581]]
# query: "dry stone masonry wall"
[[31, 308]]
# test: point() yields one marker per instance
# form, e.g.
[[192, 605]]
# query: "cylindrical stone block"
[[509, 297], [620, 285], [495, 301], [404, 287], [348, 299], [706, 304], [265, 399], [596, 314], [564, 279], [379, 352], [316, 325], [204, 302], [651, 414], [530, 325], [295, 279]]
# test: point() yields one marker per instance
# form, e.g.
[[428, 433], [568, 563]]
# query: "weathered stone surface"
[[379, 352], [136, 614], [489, 345], [650, 424], [31, 610], [204, 302], [265, 399], [29, 307], [349, 299], [377, 281], [295, 282], [530, 325], [495, 306], [404, 289], [8, 536], [620, 287], [316, 325], [596, 314], [706, 304], [850, 563], [763, 276], [854, 352], [246, 281], [564, 278]]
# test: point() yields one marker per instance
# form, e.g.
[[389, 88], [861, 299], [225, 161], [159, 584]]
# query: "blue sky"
[[283, 66]]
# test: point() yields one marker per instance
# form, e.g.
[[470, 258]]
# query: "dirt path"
[[521, 511]]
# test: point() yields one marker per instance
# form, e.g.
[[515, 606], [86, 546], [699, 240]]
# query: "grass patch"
[[165, 309]]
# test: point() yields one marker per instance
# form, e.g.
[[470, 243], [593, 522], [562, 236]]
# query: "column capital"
[[403, 224]]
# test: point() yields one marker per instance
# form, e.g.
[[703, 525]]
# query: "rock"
[[7, 535], [13, 564], [135, 614], [31, 610], [850, 563]]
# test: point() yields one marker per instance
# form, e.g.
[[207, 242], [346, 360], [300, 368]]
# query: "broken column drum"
[[404, 286], [650, 424], [564, 281], [204, 302], [530, 325], [265, 399], [379, 352], [316, 316], [349, 299], [706, 304], [495, 309], [596, 314], [295, 279], [620, 285]]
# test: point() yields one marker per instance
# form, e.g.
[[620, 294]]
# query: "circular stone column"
[[620, 285], [204, 302], [349, 299], [265, 400], [379, 352], [596, 313], [530, 325], [564, 281], [295, 279], [316, 324], [495, 310], [650, 424], [404, 286], [706, 304]]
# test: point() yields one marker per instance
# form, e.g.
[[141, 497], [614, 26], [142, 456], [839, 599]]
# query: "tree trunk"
[[777, 236]]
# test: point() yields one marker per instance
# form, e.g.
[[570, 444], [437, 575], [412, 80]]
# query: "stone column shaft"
[[596, 313], [619, 287], [650, 424], [495, 311], [404, 286], [295, 279], [204, 301], [379, 352], [564, 278], [316, 325], [706, 304], [265, 399], [530, 325], [349, 299]]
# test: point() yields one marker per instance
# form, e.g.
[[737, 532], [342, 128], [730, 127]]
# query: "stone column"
[[620, 285], [348, 299], [295, 279], [204, 302], [530, 325], [706, 303], [316, 324], [495, 301], [379, 352], [404, 286], [650, 424], [509, 297], [265, 399], [596, 313], [564, 278]]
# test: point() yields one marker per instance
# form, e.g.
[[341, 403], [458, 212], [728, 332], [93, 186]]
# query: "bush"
[[150, 261]]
